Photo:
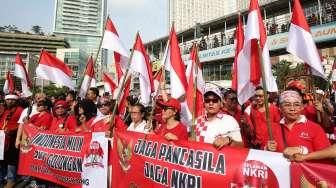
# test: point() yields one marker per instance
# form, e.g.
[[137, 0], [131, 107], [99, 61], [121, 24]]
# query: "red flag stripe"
[[50, 60]]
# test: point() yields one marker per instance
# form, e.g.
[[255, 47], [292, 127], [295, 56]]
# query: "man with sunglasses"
[[216, 127]]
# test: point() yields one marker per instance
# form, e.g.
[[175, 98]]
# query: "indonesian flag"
[[174, 64], [248, 66], [89, 78], [239, 51], [141, 64], [21, 72], [301, 43], [109, 84], [157, 80], [55, 70], [9, 84], [112, 41], [125, 94], [120, 63], [195, 106]]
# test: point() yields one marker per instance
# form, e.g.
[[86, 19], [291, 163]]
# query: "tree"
[[37, 29]]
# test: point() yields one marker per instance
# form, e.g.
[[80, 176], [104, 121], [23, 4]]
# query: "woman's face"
[[41, 107], [168, 112], [80, 110]]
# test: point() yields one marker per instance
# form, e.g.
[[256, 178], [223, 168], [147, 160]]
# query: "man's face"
[[212, 104], [10, 103], [231, 101], [104, 108], [291, 109], [91, 95], [259, 97], [39, 97], [136, 114], [69, 98]]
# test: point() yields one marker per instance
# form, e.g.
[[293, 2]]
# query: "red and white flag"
[[195, 106], [89, 79], [21, 72], [120, 63], [55, 70], [109, 84], [112, 41], [125, 94], [239, 51], [157, 80], [141, 64], [301, 43], [248, 66], [9, 84], [173, 63]]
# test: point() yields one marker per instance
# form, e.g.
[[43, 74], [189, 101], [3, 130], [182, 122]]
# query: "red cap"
[[61, 103], [172, 102]]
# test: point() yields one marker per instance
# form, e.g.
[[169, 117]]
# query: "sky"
[[149, 17]]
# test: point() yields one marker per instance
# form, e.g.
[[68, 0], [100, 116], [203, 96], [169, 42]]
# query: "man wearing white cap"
[[8, 123], [216, 127]]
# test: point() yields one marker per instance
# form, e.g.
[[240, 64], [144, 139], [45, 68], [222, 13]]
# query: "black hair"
[[142, 109], [94, 90], [89, 107], [72, 94], [229, 91]]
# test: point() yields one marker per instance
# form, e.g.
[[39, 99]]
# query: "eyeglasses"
[[260, 96], [59, 107], [134, 112], [214, 100], [295, 105]]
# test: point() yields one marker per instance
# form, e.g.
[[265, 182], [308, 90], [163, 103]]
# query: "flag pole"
[[195, 67], [268, 121], [150, 122], [121, 87]]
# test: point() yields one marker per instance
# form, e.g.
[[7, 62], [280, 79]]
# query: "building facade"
[[81, 23], [217, 45], [186, 13]]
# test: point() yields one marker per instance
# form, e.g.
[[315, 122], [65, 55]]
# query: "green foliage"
[[51, 90]]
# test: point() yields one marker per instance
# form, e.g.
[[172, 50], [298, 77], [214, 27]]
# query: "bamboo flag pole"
[[195, 67], [162, 79], [121, 87], [268, 121]]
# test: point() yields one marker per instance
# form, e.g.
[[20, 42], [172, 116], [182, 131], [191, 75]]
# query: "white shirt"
[[221, 125], [25, 111], [140, 128]]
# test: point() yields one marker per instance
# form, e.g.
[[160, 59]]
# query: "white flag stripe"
[[112, 42], [139, 65], [55, 75], [301, 44]]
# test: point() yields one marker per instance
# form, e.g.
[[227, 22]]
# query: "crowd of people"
[[298, 126]]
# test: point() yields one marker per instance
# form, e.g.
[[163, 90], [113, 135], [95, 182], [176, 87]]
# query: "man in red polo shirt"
[[298, 134]]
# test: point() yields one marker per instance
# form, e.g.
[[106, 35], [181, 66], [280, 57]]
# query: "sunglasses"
[[165, 108], [103, 104], [214, 100]]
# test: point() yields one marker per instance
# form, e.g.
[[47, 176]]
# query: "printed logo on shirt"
[[304, 135]]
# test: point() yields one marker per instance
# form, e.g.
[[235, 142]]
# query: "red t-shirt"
[[260, 125], [41, 120], [70, 123], [179, 130], [9, 119], [310, 112], [305, 133]]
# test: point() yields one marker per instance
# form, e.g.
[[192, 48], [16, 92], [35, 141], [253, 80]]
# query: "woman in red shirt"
[[172, 129], [85, 111]]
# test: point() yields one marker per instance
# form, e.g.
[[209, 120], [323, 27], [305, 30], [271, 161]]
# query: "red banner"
[[62, 158], [150, 161], [313, 175]]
